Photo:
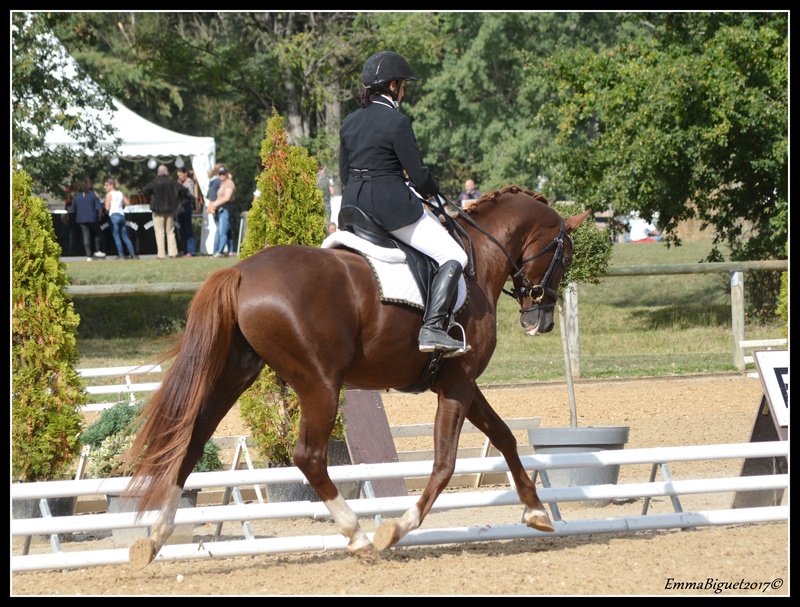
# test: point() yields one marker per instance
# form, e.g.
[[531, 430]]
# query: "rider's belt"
[[369, 174]]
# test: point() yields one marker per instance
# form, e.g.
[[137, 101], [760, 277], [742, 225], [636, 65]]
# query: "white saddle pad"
[[395, 282]]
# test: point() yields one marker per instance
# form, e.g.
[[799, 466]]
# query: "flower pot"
[[59, 506], [581, 439], [123, 538]]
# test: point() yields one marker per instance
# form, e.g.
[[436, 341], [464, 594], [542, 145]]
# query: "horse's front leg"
[[447, 428], [484, 417]]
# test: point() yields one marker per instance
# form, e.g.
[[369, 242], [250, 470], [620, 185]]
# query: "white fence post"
[[737, 318], [573, 332]]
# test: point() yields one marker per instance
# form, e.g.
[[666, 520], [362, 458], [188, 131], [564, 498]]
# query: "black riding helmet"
[[382, 68]]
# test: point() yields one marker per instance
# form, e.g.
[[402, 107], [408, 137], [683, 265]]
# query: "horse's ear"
[[573, 222]]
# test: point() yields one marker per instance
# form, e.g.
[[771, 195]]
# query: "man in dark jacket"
[[165, 195]]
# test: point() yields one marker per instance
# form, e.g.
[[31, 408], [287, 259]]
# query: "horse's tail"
[[169, 417]]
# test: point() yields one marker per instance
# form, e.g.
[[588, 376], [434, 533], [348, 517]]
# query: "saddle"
[[422, 268], [353, 219]]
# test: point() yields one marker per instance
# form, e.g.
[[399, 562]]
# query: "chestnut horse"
[[314, 316]]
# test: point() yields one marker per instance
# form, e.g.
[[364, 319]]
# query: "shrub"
[[110, 436], [46, 391], [114, 420], [592, 248], [783, 302]]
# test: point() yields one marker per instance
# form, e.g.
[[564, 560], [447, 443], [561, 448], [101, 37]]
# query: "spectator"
[[166, 196], [331, 227], [186, 212], [88, 209], [116, 202], [208, 230], [641, 230], [213, 182], [71, 225], [469, 193], [223, 209]]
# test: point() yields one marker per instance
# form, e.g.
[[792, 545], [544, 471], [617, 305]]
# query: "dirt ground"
[[742, 559]]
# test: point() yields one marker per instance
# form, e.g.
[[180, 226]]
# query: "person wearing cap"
[[223, 209], [377, 145]]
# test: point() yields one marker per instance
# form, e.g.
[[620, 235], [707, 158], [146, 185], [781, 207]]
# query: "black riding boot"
[[433, 335]]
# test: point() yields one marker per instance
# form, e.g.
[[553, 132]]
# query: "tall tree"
[[691, 124], [475, 115], [49, 90]]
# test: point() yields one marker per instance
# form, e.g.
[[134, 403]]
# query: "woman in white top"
[[115, 205]]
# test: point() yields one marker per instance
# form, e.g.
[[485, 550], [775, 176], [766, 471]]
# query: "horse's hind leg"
[[143, 551], [240, 371], [319, 408], [484, 417]]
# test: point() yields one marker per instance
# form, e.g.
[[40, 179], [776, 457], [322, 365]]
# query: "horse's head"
[[540, 270]]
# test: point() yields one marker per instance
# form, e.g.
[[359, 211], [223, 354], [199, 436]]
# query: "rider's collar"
[[391, 102]]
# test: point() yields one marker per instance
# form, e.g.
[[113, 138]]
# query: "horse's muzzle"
[[537, 321]]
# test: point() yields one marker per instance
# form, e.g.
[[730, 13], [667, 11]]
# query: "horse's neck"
[[492, 265]]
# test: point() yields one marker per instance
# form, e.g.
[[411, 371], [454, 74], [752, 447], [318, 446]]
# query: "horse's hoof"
[[141, 553], [367, 554], [387, 535], [540, 522]]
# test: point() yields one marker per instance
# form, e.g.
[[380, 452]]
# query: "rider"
[[377, 144]]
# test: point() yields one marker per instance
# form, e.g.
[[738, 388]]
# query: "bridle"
[[536, 293]]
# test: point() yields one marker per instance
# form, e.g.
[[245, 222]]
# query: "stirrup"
[[465, 347]]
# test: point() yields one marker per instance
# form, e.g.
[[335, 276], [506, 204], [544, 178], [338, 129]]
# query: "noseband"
[[537, 292]]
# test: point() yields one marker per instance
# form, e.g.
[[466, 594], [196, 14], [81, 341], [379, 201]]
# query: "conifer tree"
[[289, 210], [46, 390]]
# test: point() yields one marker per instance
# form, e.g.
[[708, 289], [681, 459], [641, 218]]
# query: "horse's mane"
[[493, 197]]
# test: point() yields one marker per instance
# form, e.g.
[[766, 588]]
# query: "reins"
[[535, 292]]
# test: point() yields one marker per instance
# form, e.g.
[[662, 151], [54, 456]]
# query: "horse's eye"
[[567, 262]]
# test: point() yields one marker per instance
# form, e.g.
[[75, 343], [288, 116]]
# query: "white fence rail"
[[396, 505], [125, 391]]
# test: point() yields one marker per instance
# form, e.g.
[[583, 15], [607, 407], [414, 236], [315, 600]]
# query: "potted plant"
[[108, 438], [46, 391], [593, 249], [269, 407]]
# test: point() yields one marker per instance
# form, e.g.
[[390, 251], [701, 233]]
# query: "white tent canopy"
[[142, 140]]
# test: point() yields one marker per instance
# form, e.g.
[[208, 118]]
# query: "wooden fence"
[[736, 269]]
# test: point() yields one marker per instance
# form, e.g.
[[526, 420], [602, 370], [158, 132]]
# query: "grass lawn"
[[629, 325]]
